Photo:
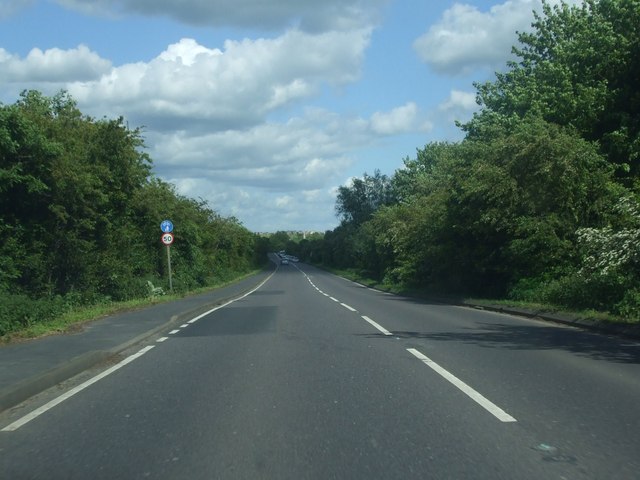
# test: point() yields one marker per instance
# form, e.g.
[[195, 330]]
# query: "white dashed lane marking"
[[491, 407]]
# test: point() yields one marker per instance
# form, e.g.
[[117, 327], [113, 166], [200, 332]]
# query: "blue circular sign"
[[166, 226]]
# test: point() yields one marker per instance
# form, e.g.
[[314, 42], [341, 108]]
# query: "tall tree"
[[578, 67], [356, 203]]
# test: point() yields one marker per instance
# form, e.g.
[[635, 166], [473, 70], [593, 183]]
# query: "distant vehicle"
[[294, 259], [284, 261]]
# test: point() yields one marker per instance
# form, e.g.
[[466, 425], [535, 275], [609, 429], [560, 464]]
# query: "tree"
[[579, 68], [356, 203], [610, 261]]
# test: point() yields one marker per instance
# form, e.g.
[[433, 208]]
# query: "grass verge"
[[75, 318], [595, 315]]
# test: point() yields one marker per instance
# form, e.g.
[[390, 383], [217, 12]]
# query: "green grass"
[[75, 318], [540, 307], [357, 276]]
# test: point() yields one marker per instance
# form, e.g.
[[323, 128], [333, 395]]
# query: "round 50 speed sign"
[[167, 238]]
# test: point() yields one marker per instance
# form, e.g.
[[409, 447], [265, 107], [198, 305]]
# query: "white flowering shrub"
[[609, 250], [611, 259]]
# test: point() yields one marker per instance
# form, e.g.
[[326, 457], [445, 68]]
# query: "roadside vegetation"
[[539, 203], [80, 214]]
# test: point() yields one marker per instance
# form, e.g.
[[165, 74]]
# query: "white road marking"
[[184, 325], [377, 325], [466, 389], [202, 315], [48, 406], [173, 332]]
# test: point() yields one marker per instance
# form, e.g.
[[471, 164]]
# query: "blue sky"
[[265, 108]]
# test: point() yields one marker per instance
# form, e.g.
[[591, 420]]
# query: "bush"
[[20, 311], [612, 293], [629, 306]]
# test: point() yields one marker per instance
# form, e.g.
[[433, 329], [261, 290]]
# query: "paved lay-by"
[[33, 366]]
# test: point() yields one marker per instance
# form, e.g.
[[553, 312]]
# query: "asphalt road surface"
[[314, 377]]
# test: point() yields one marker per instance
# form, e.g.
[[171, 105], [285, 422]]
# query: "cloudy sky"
[[264, 107]]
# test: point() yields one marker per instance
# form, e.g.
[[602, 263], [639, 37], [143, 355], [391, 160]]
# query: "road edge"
[[17, 393]]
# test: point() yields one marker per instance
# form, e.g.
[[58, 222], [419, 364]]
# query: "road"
[[314, 377]]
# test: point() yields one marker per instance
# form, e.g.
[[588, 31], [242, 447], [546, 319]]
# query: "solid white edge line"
[[48, 406], [377, 325], [202, 315], [348, 307], [334, 299], [491, 407]]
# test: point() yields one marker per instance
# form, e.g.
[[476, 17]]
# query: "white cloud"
[[263, 210], [466, 38], [52, 66], [459, 100], [209, 113], [9, 7], [284, 202], [399, 120], [458, 107], [237, 86], [260, 171], [308, 15], [300, 153], [186, 52]]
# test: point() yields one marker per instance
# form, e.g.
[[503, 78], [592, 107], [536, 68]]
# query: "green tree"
[[610, 262], [356, 203], [578, 67]]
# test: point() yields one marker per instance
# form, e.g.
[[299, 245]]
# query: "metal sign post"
[[169, 264], [167, 238]]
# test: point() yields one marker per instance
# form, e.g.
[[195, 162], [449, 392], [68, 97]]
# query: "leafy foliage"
[[357, 202], [80, 214], [539, 201], [579, 67]]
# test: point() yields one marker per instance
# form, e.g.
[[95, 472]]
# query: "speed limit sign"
[[167, 238]]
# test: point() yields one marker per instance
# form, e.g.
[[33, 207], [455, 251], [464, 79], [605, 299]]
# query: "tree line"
[[540, 200], [80, 214]]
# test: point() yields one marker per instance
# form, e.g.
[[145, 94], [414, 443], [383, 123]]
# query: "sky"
[[264, 108]]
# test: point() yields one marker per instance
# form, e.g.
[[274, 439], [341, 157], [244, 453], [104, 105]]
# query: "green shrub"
[[629, 306], [19, 311]]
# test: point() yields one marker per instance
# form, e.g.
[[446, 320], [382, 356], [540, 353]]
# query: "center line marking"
[[348, 307], [466, 389], [377, 325]]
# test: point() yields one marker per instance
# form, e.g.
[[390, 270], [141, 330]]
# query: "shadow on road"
[[512, 337]]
